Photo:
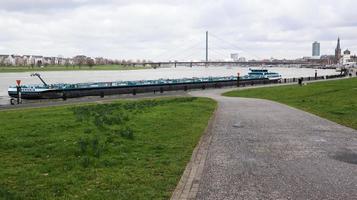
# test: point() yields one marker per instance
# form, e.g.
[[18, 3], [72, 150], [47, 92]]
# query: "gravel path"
[[265, 150]]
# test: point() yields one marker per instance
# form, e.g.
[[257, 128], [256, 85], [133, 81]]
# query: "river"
[[7, 79]]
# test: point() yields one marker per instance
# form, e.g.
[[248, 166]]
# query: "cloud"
[[165, 30]]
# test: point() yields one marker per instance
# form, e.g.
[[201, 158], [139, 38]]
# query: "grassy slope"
[[334, 100], [4, 69], [39, 148]]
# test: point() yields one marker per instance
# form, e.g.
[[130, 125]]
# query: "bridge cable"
[[232, 45]]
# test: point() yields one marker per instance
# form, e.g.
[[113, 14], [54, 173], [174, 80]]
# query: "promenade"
[[258, 149]]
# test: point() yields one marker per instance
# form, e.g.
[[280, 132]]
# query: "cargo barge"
[[64, 91]]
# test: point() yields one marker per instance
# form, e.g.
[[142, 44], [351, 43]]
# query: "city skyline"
[[138, 30]]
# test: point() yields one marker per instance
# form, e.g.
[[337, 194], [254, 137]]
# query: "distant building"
[[347, 52], [19, 61], [38, 60], [27, 60], [354, 58], [346, 57], [61, 60], [46, 60], [315, 50], [2, 59], [242, 59], [327, 59], [338, 52], [10, 60], [234, 57]]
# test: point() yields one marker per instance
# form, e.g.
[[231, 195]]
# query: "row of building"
[[345, 58], [34, 60]]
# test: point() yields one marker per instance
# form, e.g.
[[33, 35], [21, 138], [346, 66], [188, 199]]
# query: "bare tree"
[[90, 62], [80, 63], [67, 63], [39, 63], [2, 62], [80, 60]]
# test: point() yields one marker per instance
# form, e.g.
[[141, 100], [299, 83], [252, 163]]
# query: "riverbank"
[[126, 149], [334, 100], [12, 69]]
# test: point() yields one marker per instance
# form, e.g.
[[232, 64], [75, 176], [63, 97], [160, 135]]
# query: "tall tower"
[[206, 46], [338, 51], [315, 49]]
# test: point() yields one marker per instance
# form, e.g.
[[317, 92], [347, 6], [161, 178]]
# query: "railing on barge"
[[189, 86]]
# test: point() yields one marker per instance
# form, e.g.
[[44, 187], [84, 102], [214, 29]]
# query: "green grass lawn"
[[10, 69], [334, 100], [121, 150]]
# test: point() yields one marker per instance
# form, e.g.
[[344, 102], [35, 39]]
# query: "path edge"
[[187, 187]]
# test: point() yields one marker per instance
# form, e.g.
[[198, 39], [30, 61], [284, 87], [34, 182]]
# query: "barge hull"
[[104, 91]]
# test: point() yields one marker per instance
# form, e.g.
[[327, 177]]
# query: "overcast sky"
[[175, 29]]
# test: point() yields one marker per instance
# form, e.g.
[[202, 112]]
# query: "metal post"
[[18, 89], [206, 47], [315, 74], [238, 79]]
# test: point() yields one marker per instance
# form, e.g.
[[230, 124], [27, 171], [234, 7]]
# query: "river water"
[[7, 79]]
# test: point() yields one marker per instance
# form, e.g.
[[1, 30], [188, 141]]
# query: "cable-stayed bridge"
[[222, 63], [218, 48]]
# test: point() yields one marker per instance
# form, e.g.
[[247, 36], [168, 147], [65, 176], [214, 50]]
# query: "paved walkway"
[[258, 149]]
